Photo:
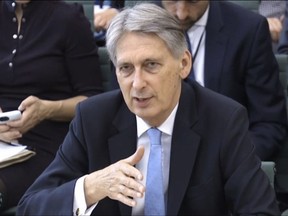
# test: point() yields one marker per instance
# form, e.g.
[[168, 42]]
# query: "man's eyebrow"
[[123, 62]]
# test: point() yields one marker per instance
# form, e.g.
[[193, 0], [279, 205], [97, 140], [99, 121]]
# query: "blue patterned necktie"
[[154, 196]]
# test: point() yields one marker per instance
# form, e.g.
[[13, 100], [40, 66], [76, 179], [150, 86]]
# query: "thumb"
[[26, 103], [136, 157]]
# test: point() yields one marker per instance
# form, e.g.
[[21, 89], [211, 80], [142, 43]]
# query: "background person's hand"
[[8, 134], [275, 27], [33, 110], [118, 181], [103, 18]]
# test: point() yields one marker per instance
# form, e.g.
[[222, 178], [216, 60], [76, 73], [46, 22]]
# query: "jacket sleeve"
[[247, 188], [266, 101], [81, 54], [52, 193]]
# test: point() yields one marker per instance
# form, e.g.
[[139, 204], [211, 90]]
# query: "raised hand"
[[118, 181]]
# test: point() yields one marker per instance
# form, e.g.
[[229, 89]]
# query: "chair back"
[[106, 67], [282, 60], [88, 7], [252, 5], [269, 168], [281, 178]]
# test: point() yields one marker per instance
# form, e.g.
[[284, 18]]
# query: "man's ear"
[[185, 64]]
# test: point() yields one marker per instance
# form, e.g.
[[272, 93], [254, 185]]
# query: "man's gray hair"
[[146, 18]]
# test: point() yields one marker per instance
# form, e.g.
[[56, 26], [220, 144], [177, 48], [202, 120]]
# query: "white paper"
[[7, 150]]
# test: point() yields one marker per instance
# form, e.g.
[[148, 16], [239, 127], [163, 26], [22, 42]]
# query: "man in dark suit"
[[208, 162], [232, 55]]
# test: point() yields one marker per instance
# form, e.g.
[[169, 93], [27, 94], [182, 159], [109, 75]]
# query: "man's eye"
[[126, 69], [151, 66]]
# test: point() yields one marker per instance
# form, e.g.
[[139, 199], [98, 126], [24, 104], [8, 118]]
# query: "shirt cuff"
[[79, 202]]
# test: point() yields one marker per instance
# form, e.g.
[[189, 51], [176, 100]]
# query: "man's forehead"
[[140, 46]]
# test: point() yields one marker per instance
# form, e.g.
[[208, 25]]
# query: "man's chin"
[[186, 26]]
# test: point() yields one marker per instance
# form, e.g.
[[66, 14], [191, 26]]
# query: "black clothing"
[[53, 57]]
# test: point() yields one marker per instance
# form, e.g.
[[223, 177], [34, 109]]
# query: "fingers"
[[7, 134], [125, 192], [99, 23], [125, 200], [100, 20], [103, 18], [119, 181], [132, 160], [125, 186], [275, 27], [27, 102], [113, 183]]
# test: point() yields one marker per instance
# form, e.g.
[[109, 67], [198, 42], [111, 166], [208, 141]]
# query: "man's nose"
[[138, 79], [181, 10]]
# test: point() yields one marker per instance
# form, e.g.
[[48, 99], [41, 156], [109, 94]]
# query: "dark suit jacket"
[[213, 168], [239, 63]]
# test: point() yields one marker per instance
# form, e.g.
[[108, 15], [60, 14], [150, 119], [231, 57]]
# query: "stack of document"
[[13, 153]]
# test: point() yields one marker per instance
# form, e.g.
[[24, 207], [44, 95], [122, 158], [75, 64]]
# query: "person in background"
[[104, 11], [232, 55], [274, 11], [195, 140], [48, 64]]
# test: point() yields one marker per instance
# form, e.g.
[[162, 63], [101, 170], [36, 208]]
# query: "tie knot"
[[154, 136]]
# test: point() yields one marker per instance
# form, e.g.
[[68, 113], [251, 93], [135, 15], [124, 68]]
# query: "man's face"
[[187, 12], [149, 76]]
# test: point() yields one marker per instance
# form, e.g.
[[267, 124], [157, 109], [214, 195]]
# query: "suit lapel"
[[215, 47], [184, 148], [123, 144]]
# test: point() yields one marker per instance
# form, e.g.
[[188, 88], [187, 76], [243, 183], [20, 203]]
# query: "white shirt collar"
[[166, 127]]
